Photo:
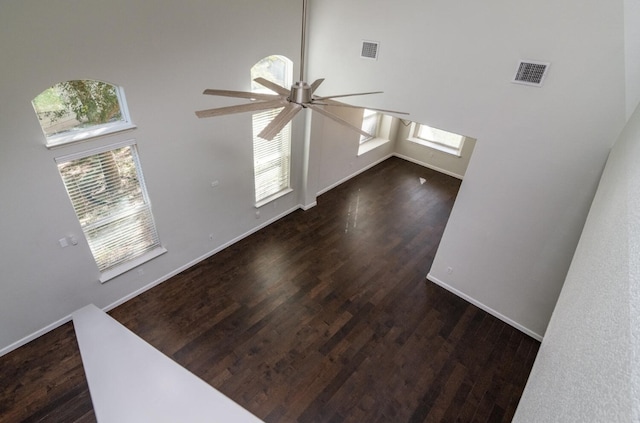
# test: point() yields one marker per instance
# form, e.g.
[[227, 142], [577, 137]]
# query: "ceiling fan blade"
[[241, 94], [346, 95], [316, 84], [241, 108], [280, 121], [339, 120], [273, 86], [340, 104]]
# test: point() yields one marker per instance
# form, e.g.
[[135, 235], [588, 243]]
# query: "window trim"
[[372, 115], [284, 190], [95, 131], [384, 128], [273, 197], [121, 268], [413, 137]]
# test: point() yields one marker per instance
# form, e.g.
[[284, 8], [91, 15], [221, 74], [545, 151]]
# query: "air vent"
[[370, 50], [531, 73]]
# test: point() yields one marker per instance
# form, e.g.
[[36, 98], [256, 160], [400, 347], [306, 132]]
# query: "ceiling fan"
[[291, 100]]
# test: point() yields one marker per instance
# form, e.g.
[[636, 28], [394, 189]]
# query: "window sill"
[[94, 132], [371, 145], [125, 267], [273, 197], [436, 146]]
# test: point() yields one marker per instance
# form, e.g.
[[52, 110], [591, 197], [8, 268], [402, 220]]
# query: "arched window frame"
[[77, 134]]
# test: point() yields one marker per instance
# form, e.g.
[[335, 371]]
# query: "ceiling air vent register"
[[530, 72], [370, 50]]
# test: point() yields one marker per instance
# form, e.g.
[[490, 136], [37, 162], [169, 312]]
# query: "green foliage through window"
[[77, 105]]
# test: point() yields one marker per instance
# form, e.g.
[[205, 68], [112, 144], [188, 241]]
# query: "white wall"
[[587, 369], [432, 158], [540, 151], [632, 52], [164, 54], [521, 207], [335, 150]]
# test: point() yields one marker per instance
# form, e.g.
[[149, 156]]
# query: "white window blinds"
[[271, 159], [109, 197]]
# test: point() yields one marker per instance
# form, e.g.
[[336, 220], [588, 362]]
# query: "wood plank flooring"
[[324, 316]]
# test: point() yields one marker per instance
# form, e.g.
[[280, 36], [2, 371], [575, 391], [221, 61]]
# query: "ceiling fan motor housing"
[[301, 93]]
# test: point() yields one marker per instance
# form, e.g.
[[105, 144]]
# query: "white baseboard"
[[482, 306], [34, 335], [147, 287], [198, 260], [309, 206], [427, 165]]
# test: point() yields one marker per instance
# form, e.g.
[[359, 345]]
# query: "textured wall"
[[587, 369]]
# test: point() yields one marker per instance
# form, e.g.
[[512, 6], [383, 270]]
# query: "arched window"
[[80, 109], [271, 159]]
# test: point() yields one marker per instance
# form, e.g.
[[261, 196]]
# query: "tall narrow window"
[[109, 197], [271, 159], [81, 109]]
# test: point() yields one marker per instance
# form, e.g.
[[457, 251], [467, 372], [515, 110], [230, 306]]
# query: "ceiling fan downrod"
[[303, 42], [290, 101], [301, 91]]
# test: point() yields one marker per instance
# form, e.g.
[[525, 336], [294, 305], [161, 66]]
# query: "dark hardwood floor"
[[324, 316]]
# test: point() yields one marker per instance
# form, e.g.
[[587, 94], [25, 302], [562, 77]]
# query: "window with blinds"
[[271, 159], [107, 191]]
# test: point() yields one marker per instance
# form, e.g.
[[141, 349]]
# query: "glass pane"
[[274, 68], [102, 185], [122, 239], [439, 136], [271, 158], [76, 106], [369, 124], [107, 193]]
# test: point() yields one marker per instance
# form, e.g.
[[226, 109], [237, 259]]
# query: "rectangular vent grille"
[[370, 50], [531, 73]]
